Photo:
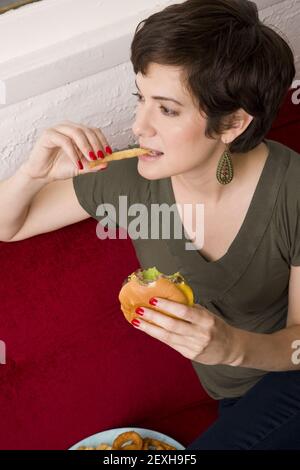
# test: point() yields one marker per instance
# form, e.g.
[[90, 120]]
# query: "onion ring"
[[155, 444], [128, 441], [131, 441]]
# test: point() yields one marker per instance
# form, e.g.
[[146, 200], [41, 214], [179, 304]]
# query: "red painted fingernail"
[[135, 322], [92, 156], [153, 301], [139, 311], [108, 150], [100, 154], [80, 165]]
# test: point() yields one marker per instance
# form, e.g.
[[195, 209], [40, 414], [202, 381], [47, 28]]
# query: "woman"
[[211, 78]]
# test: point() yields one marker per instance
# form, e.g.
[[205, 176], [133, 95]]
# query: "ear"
[[238, 121]]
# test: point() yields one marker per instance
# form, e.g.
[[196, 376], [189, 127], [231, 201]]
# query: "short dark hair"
[[230, 60]]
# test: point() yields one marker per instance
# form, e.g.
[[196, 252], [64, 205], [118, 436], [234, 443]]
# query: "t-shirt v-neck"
[[248, 219]]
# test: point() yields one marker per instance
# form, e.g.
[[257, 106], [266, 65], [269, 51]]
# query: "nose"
[[142, 126]]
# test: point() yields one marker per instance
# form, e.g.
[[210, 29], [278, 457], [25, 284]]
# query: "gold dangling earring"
[[225, 168]]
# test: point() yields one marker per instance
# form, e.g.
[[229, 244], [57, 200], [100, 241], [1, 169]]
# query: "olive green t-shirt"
[[248, 286]]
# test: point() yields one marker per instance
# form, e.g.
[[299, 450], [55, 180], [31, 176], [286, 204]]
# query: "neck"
[[201, 183]]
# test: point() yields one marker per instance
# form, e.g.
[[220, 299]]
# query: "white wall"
[[285, 16], [72, 63]]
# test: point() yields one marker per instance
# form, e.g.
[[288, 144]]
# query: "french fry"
[[103, 447], [119, 156]]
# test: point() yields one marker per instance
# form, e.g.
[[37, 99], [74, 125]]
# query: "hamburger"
[[143, 284]]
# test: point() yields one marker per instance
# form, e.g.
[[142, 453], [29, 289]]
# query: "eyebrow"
[[163, 98]]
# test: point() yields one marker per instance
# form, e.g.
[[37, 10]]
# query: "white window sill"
[[76, 39], [55, 42]]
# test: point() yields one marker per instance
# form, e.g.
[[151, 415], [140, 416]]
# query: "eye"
[[166, 111], [139, 97]]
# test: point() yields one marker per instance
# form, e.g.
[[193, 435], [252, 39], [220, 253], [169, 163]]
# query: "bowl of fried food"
[[128, 439]]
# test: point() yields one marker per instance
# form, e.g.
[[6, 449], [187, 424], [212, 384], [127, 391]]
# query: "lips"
[[153, 152]]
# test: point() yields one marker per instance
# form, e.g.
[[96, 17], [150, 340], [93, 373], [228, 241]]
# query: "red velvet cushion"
[[74, 365]]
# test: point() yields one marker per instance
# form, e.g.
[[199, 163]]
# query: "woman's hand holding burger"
[[192, 330], [195, 332]]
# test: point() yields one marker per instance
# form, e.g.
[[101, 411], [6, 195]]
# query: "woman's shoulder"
[[286, 215], [119, 179], [120, 175], [287, 161], [285, 151]]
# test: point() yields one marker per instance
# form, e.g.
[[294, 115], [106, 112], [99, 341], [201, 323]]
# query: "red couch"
[[74, 366]]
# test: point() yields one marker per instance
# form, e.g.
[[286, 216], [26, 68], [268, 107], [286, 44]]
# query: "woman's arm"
[[203, 337], [53, 207], [278, 351], [44, 181], [16, 194]]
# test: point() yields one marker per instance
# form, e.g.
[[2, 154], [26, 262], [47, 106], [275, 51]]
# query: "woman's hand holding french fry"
[[64, 151]]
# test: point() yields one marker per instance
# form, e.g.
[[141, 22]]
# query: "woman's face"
[[175, 129]]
